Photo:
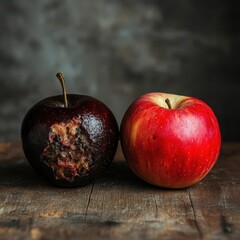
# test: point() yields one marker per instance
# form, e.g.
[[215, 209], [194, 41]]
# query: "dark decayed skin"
[[95, 120]]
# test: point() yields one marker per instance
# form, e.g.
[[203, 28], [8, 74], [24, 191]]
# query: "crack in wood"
[[156, 209], [195, 216], [89, 199]]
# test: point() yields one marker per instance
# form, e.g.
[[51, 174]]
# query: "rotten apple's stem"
[[60, 77], [168, 103]]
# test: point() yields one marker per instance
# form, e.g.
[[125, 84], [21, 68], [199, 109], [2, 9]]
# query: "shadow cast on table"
[[20, 173], [120, 175]]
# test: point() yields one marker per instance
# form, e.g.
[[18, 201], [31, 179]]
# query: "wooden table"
[[118, 205]]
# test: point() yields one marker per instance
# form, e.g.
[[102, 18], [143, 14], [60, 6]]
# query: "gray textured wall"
[[117, 50]]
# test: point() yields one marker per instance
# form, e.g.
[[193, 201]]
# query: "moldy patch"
[[68, 150]]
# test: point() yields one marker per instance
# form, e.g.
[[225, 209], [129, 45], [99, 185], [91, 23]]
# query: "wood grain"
[[118, 205]]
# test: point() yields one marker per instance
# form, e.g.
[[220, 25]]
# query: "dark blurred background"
[[117, 50]]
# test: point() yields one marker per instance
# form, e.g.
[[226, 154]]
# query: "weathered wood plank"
[[118, 205], [216, 201], [125, 201]]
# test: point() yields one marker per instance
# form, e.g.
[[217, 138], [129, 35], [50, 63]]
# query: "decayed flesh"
[[68, 150]]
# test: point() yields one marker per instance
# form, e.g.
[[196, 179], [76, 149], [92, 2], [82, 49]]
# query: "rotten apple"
[[69, 139], [169, 140]]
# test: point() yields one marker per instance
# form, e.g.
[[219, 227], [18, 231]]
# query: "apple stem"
[[168, 103], [60, 77]]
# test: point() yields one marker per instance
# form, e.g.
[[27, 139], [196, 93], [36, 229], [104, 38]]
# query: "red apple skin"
[[171, 148]]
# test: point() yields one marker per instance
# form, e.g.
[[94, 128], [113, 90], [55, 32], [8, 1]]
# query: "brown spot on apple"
[[154, 137], [68, 151]]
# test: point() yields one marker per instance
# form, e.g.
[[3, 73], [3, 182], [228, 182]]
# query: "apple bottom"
[[176, 182], [171, 165]]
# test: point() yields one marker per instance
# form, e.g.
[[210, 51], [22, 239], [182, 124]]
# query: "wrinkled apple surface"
[[70, 146]]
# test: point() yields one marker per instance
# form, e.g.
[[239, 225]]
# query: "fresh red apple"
[[169, 140], [69, 139]]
